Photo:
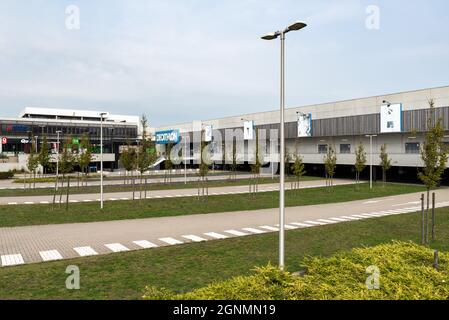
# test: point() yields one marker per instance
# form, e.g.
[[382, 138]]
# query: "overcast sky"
[[182, 60]]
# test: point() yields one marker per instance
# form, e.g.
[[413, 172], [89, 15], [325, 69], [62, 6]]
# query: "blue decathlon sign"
[[167, 136]]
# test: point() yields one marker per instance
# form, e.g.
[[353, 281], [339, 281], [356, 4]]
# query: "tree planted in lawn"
[[85, 156], [434, 156], [33, 163], [146, 154], [128, 159], [44, 155], [66, 164], [330, 164], [385, 162], [360, 161], [255, 167], [298, 169]]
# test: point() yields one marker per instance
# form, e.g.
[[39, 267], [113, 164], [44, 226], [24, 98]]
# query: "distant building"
[[35, 123], [398, 120]]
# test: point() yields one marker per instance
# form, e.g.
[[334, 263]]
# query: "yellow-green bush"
[[406, 272]]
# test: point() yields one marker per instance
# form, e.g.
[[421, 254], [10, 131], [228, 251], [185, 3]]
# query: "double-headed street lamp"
[[271, 36]]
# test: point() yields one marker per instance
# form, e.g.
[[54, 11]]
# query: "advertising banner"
[[304, 125], [391, 118], [208, 133], [168, 136], [248, 130]]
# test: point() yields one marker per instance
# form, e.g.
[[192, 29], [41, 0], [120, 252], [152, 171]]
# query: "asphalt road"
[[31, 244]]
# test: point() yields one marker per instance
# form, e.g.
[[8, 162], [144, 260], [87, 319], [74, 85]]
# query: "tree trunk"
[[67, 195], [60, 193], [54, 192], [134, 186]]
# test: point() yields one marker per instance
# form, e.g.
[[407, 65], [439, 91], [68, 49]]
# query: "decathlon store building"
[[397, 120]]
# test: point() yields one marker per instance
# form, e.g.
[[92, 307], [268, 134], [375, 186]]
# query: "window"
[[412, 147], [322, 148], [345, 148]]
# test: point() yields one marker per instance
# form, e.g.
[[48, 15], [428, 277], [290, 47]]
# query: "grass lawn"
[[185, 267], [150, 186], [20, 215]]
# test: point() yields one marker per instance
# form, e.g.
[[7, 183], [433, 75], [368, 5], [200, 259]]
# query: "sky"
[[184, 60]]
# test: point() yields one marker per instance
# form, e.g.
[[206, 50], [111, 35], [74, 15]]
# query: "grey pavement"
[[151, 194], [9, 184], [32, 244]]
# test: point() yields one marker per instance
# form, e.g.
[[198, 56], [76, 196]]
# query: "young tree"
[[44, 155], [145, 156], [434, 156], [33, 163], [360, 161], [128, 159], [168, 163], [234, 159], [298, 169], [204, 166], [330, 164], [255, 167], [66, 163], [85, 156], [385, 162]]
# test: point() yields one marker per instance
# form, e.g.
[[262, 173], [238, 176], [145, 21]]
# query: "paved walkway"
[[31, 244], [153, 194], [10, 185]]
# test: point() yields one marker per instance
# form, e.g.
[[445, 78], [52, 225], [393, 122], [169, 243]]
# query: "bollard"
[[435, 260], [422, 220], [433, 216]]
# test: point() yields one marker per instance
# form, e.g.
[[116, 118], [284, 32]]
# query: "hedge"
[[406, 272]]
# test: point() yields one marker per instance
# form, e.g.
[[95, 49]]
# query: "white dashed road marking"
[[315, 222], [326, 221], [236, 233], [50, 255], [215, 235], [269, 228], [116, 247], [12, 260], [145, 244], [170, 241], [85, 251], [194, 238], [253, 230], [302, 225]]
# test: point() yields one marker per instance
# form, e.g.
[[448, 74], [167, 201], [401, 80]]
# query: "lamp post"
[[370, 136], [271, 36], [101, 158], [57, 159], [185, 158]]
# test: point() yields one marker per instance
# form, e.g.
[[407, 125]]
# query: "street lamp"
[[57, 159], [271, 36], [371, 136], [102, 114], [185, 157]]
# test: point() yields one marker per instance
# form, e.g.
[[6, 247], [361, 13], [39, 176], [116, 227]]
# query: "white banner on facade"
[[391, 118], [304, 125], [248, 130], [208, 133]]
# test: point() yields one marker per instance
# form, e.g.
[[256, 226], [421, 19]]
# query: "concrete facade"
[[360, 116]]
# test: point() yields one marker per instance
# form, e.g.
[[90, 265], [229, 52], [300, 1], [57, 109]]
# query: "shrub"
[[406, 272], [6, 175]]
